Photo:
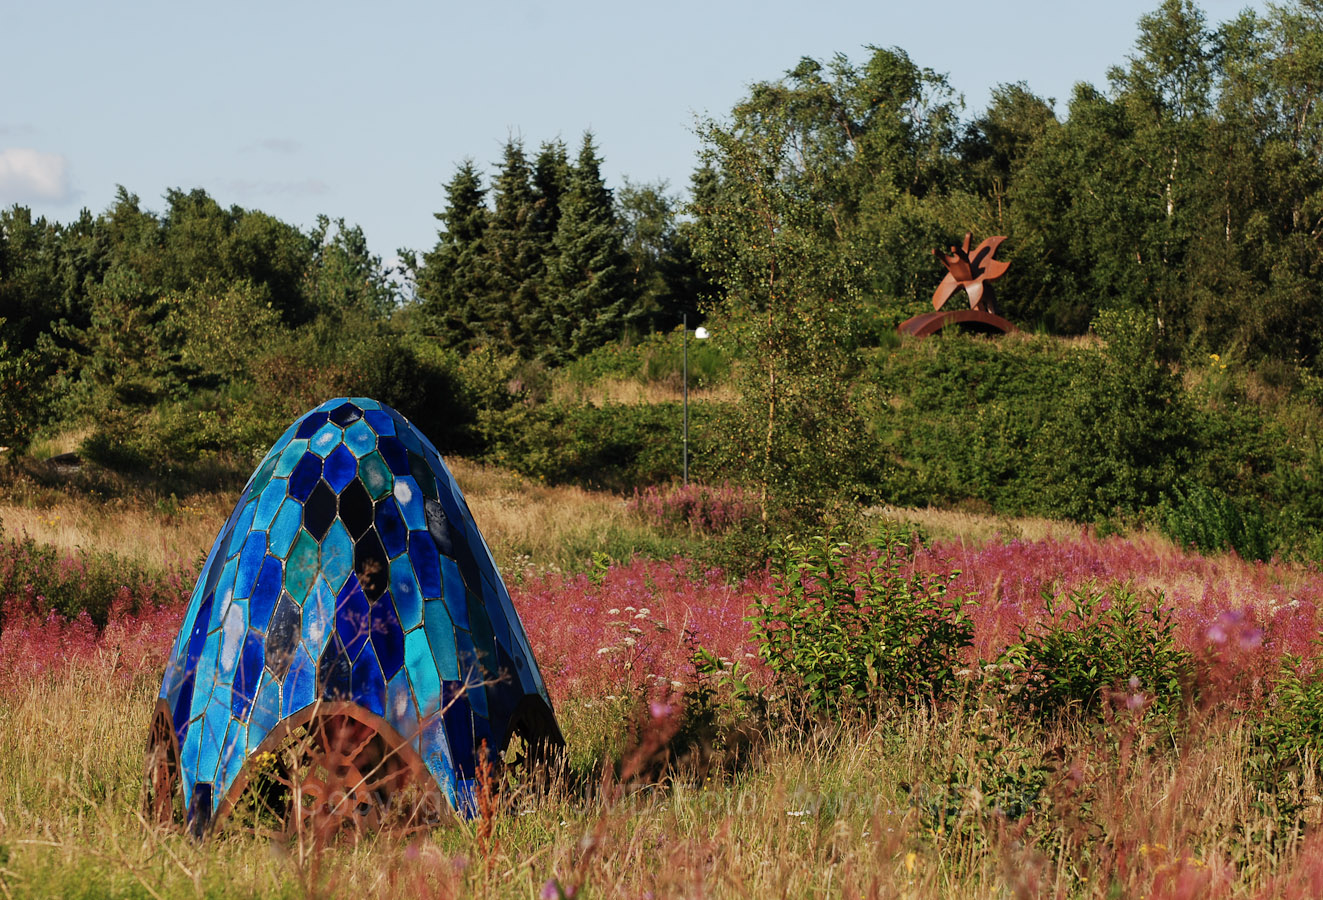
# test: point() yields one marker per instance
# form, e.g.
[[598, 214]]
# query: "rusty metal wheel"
[[163, 799], [341, 778]]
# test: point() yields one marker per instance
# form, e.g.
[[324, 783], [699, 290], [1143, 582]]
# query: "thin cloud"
[[31, 176], [276, 145], [306, 187]]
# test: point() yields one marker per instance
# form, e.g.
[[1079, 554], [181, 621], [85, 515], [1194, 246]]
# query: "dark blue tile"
[[250, 564], [396, 457], [341, 467], [387, 636], [308, 427], [300, 683], [352, 617], [319, 511], [304, 477], [457, 597], [266, 592], [391, 528], [247, 675], [346, 414], [380, 421], [371, 564], [334, 673], [356, 508], [426, 563], [282, 636], [369, 687]]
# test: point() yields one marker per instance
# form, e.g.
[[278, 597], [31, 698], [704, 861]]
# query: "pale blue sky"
[[364, 110]]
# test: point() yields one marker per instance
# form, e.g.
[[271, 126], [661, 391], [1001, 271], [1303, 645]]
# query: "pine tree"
[[453, 279], [589, 300], [514, 254]]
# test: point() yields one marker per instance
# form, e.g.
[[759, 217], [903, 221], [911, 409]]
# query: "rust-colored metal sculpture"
[[972, 272]]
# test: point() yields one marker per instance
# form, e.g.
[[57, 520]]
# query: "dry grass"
[[846, 810], [632, 391], [529, 526], [977, 528]]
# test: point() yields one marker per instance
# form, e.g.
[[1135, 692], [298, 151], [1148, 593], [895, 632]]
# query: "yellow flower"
[[910, 859]]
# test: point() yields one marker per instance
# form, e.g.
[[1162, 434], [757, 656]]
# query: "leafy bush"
[[1210, 521], [37, 578], [1094, 643], [1285, 741], [843, 625]]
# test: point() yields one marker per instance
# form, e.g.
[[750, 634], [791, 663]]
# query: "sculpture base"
[[974, 320]]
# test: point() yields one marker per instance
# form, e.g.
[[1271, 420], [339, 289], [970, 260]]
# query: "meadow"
[[695, 765]]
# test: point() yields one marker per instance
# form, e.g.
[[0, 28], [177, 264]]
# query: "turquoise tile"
[[233, 756], [303, 567], [404, 588], [337, 555], [441, 635], [285, 527], [269, 503], [327, 438], [318, 617], [289, 457], [360, 438], [421, 666]]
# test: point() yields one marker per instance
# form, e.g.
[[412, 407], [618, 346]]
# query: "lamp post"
[[700, 334]]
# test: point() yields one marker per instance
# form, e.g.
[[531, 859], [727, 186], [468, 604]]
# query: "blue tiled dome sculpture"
[[349, 639]]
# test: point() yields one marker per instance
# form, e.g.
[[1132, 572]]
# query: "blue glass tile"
[[199, 810], [182, 706], [380, 421], [400, 710], [318, 617], [309, 425], [376, 476], [360, 438], [404, 590], [356, 509], [285, 527], [472, 672], [269, 503], [387, 636], [213, 726], [205, 681], [233, 628], [248, 675], [335, 673], [300, 683], [426, 563], [270, 582], [346, 414], [337, 555], [303, 566], [422, 475], [391, 528], [438, 526], [457, 598], [365, 404], [266, 711], [371, 565], [319, 510], [341, 467], [410, 500], [250, 564], [282, 636], [368, 685], [289, 458], [396, 457], [242, 526], [422, 671], [188, 758], [224, 590], [409, 438], [441, 636], [434, 747], [326, 439], [352, 618], [233, 756], [305, 476], [459, 726]]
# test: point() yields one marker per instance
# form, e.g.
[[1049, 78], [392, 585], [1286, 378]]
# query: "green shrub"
[[1285, 740], [1092, 646], [844, 626], [1211, 522]]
